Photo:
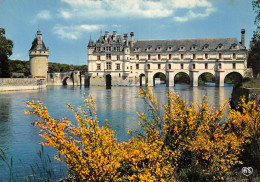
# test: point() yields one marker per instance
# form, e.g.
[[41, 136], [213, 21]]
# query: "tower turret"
[[39, 57]]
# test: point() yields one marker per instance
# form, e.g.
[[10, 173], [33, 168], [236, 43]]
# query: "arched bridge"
[[75, 78]]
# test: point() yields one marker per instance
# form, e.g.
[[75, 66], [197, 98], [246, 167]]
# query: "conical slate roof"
[[35, 46]]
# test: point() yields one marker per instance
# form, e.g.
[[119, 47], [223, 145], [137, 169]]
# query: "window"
[[193, 66], [234, 65], [98, 48], [108, 48], [131, 67], [169, 66], [206, 56], [206, 65], [181, 66], [205, 47], [98, 67], [149, 56], [98, 57], [148, 66], [194, 56], [97, 74], [159, 56], [108, 56], [220, 56], [118, 66], [137, 66], [219, 66], [181, 56], [118, 57], [137, 56], [170, 56], [108, 65], [159, 66], [234, 55], [117, 49], [119, 75]]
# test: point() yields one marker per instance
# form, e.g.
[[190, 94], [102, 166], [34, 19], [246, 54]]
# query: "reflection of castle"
[[39, 66], [117, 60]]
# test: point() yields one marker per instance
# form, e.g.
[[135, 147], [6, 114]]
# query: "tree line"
[[19, 66]]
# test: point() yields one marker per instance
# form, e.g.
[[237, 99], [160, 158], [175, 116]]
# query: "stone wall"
[[12, 84]]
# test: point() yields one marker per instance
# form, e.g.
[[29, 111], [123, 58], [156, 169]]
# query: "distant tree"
[[6, 47], [254, 52], [256, 8]]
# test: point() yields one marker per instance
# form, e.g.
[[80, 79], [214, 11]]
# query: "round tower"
[[38, 57]]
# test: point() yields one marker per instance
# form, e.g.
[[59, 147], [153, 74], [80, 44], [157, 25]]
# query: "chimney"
[[114, 35], [243, 37], [132, 39], [125, 36], [106, 35]]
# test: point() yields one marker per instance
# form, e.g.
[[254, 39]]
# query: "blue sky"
[[67, 25]]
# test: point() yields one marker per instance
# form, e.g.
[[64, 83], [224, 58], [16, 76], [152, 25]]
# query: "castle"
[[116, 60]]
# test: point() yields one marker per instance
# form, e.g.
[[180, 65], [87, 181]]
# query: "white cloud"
[[191, 15], [44, 14], [136, 9], [74, 32]]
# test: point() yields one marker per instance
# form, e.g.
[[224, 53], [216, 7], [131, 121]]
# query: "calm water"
[[20, 140]]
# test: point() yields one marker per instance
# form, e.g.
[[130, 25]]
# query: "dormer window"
[[219, 47], [182, 48], [169, 48], [193, 47], [205, 47], [149, 48], [136, 49], [158, 48], [233, 46]]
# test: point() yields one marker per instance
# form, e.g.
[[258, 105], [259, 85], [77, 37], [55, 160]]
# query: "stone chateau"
[[120, 60]]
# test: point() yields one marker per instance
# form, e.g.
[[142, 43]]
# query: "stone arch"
[[206, 78], [67, 80], [182, 77], [233, 77], [161, 76], [142, 81]]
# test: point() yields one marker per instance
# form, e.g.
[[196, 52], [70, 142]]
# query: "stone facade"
[[38, 57], [123, 61]]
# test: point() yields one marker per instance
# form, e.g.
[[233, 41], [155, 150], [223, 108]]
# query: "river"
[[19, 138]]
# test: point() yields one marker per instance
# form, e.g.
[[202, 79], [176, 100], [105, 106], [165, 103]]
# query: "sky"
[[67, 25]]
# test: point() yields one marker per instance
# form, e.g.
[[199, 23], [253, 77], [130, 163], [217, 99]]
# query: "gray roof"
[[175, 44], [34, 46]]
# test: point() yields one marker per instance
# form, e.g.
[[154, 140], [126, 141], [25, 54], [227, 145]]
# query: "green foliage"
[[19, 66], [58, 67], [182, 78], [256, 8], [161, 76], [254, 54], [24, 67], [6, 47], [206, 77], [251, 83]]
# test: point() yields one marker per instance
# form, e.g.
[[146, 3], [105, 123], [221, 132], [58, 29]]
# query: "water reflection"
[[118, 105]]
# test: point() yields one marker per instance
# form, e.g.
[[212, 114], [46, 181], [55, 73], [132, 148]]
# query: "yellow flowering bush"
[[178, 142]]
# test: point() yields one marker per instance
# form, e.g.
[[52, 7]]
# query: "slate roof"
[[34, 46], [175, 44], [118, 40]]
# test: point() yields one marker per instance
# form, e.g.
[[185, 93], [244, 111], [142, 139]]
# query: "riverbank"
[[16, 84]]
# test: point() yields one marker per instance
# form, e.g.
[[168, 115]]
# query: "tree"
[[256, 8], [6, 47], [254, 52]]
